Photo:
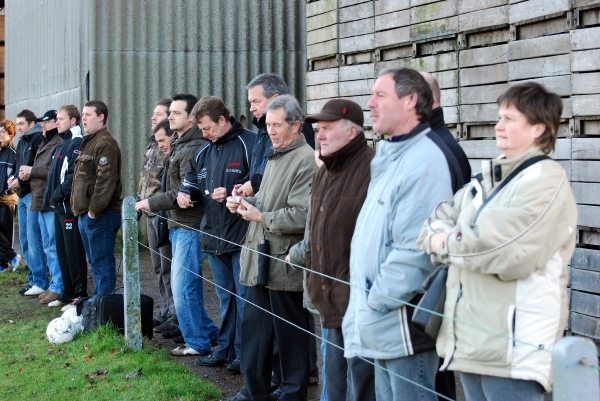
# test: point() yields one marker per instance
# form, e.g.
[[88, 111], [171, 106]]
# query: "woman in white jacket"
[[506, 303]]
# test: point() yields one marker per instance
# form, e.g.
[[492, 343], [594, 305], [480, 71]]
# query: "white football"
[[71, 314], [60, 331]]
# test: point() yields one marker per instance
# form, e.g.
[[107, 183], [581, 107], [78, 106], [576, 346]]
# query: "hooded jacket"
[[283, 201], [338, 192], [97, 177], [508, 269], [220, 164], [39, 170], [57, 195], [183, 149], [387, 269], [26, 150]]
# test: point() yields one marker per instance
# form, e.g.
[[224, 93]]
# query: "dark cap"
[[49, 115], [337, 109]]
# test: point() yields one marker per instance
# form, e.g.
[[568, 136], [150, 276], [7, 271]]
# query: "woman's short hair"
[[539, 107], [9, 127]]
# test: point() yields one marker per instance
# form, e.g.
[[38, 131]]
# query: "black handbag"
[[109, 308], [162, 229], [435, 284]]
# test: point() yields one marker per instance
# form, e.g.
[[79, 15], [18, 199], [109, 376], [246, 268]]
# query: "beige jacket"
[[507, 281]]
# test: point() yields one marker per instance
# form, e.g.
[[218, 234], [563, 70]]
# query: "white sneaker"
[[15, 262], [184, 351], [56, 302], [35, 290], [66, 307]]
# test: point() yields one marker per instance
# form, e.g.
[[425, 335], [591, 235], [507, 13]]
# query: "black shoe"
[[23, 290], [179, 339], [211, 360], [172, 333], [275, 394], [156, 322], [234, 367], [169, 325]]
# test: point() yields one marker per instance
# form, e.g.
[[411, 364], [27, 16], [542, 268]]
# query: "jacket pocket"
[[85, 166], [485, 332], [279, 271]]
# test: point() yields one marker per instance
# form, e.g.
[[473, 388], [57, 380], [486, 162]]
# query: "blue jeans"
[[99, 236], [419, 368], [30, 236], [226, 273], [348, 379], [197, 328], [49, 238], [491, 388], [324, 355]]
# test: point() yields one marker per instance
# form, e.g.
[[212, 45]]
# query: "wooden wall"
[[477, 49]]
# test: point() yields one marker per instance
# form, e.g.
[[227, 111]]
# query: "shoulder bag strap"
[[513, 174]]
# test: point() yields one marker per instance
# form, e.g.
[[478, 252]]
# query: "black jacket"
[[26, 149], [57, 194], [7, 168], [458, 163], [263, 147], [217, 164]]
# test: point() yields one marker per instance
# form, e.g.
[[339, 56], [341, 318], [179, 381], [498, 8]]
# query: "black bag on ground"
[[433, 300], [101, 309]]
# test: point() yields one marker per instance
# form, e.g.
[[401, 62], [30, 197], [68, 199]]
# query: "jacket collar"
[[260, 122], [294, 145], [495, 171], [51, 134], [394, 147], [95, 133], [189, 135], [437, 118], [234, 132], [336, 161]]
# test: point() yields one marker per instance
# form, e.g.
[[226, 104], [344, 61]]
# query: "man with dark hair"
[[8, 197], [406, 184], [150, 176], [38, 174], [96, 195], [261, 91], [212, 174], [57, 197], [30, 236], [196, 327], [277, 217]]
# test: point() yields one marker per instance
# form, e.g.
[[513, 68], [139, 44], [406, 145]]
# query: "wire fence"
[[583, 363]]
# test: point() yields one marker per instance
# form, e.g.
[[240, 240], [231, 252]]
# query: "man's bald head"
[[435, 88]]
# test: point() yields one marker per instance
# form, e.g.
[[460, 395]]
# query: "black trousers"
[[7, 216], [71, 257], [260, 329]]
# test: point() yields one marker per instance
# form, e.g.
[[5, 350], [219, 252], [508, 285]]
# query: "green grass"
[[94, 366]]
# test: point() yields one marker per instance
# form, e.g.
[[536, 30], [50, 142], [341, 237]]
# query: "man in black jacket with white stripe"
[[214, 170]]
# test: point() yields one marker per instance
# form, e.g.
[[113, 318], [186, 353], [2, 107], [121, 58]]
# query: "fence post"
[[131, 276], [574, 366]]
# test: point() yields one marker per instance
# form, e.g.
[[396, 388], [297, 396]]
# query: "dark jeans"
[[99, 236], [260, 329], [7, 216], [71, 257], [348, 379]]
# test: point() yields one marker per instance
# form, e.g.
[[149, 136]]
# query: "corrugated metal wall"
[[46, 55], [140, 51]]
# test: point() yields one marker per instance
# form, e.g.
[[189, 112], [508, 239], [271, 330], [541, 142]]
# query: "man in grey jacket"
[[277, 216], [409, 177]]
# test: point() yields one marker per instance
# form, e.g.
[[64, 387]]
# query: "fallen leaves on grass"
[[96, 376], [133, 375]]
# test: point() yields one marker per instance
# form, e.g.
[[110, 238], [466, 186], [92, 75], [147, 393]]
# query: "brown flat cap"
[[337, 109]]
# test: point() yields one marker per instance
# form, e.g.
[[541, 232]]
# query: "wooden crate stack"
[[477, 49]]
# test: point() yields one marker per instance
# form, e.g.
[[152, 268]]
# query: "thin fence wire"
[[483, 329], [300, 328]]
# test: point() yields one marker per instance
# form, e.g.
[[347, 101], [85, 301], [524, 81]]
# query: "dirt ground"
[[227, 382]]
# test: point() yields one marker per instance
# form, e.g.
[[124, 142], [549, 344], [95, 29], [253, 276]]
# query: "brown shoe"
[[52, 296], [44, 294]]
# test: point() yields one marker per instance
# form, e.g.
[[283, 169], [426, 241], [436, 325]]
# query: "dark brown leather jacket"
[[40, 168]]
